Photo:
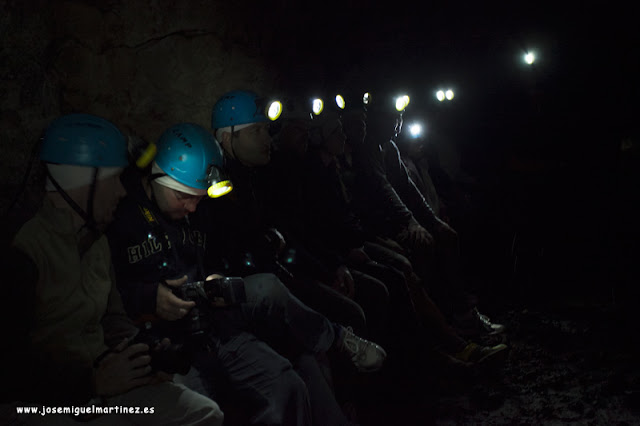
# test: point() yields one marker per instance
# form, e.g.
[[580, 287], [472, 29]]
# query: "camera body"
[[200, 318], [230, 289], [174, 358]]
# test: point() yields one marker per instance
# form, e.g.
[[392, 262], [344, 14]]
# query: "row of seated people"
[[267, 298]]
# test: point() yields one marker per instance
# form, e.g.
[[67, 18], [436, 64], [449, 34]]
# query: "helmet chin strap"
[[233, 152], [88, 217]]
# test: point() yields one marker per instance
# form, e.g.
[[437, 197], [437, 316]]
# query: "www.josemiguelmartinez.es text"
[[84, 410]]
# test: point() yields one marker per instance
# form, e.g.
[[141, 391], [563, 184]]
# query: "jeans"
[[241, 355]]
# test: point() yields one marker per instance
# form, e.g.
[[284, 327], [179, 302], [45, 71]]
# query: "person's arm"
[[30, 373], [411, 196], [141, 297], [116, 323], [377, 191], [126, 239]]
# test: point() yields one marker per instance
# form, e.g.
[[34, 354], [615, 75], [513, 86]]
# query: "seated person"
[[158, 244], [393, 206], [331, 226], [254, 212], [70, 342]]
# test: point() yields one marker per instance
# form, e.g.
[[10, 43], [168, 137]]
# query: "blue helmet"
[[237, 107], [190, 154], [84, 140]]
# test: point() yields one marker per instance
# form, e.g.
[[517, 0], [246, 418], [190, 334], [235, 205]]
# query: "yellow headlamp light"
[[147, 156], [219, 189], [219, 185], [402, 102], [317, 105], [273, 111]]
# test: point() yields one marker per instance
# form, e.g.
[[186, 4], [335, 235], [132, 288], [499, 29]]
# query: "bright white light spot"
[[340, 101], [402, 102], [415, 130], [449, 94], [440, 95], [317, 106], [366, 98], [529, 58], [219, 189], [275, 109]]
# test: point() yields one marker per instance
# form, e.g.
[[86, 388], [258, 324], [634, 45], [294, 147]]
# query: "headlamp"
[[317, 106], [366, 98], [415, 130], [402, 102], [340, 101], [529, 58], [218, 183], [273, 110], [147, 156], [441, 95]]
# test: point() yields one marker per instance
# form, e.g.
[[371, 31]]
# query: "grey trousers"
[[261, 379]]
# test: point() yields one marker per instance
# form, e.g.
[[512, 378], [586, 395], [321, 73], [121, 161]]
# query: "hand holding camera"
[[169, 306], [162, 355], [193, 302], [124, 368], [216, 291]]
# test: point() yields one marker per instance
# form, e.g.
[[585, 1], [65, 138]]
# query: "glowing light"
[[415, 130], [449, 94], [219, 189], [274, 111], [145, 158], [317, 106], [440, 95], [366, 98], [529, 58], [402, 102], [340, 101]]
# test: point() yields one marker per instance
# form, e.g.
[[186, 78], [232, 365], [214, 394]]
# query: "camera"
[[230, 289], [174, 358], [203, 293]]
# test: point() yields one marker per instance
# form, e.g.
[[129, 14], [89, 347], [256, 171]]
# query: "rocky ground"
[[568, 364], [574, 366]]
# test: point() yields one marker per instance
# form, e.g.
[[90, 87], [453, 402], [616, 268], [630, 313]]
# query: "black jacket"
[[410, 195], [262, 199], [375, 199], [148, 248], [331, 227]]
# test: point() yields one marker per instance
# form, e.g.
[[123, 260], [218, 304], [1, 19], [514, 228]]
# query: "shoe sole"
[[495, 357]]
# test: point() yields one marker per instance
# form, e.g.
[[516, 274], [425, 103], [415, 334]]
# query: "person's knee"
[[293, 383], [393, 276], [208, 413], [404, 265], [371, 288], [266, 288], [288, 402], [213, 415], [355, 318]]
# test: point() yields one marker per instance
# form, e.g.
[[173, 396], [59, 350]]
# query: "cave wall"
[[145, 65]]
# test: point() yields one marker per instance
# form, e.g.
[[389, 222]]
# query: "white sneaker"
[[365, 355], [491, 327]]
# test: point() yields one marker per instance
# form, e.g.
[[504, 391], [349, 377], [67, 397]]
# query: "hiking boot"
[[365, 355], [486, 323], [476, 354], [473, 324]]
